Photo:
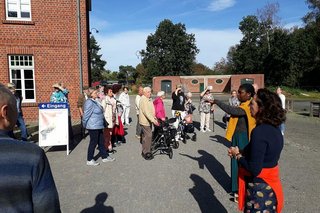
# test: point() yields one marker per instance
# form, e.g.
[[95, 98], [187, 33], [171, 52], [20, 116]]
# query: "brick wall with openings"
[[51, 37]]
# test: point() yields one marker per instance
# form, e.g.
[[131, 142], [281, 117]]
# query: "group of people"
[[255, 129], [104, 116]]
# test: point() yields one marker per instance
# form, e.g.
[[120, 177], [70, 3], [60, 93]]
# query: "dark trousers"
[[96, 138], [146, 139], [138, 127], [21, 124]]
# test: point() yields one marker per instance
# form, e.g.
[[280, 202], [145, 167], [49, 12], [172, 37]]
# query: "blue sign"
[[53, 105]]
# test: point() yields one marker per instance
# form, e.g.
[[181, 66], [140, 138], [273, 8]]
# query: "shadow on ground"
[[99, 205], [220, 139], [204, 195], [215, 168]]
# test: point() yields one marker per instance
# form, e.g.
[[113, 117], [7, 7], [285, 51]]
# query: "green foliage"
[[127, 73], [170, 51], [286, 57], [97, 64]]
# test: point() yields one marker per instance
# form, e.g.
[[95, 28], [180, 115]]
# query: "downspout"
[[79, 45]]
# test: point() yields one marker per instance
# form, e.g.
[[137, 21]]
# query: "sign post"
[[53, 124]]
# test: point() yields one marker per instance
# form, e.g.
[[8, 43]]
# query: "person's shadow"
[[215, 168], [222, 140], [99, 206], [204, 195]]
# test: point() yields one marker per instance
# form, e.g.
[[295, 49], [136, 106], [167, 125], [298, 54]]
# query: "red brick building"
[[196, 84], [39, 46]]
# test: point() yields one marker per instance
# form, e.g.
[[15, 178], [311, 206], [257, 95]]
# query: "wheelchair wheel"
[[175, 144], [170, 152]]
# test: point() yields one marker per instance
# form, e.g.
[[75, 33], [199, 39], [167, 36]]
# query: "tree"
[[141, 73], [201, 69], [170, 50], [127, 73], [97, 64]]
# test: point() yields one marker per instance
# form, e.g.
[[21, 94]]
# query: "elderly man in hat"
[[26, 180], [20, 121]]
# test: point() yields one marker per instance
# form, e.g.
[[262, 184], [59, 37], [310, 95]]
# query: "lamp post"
[[95, 30]]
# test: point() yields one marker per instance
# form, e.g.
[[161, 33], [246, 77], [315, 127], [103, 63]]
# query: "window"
[[21, 68], [194, 81], [219, 81], [18, 10]]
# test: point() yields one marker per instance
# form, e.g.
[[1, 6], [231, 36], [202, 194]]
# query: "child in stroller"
[[163, 139]]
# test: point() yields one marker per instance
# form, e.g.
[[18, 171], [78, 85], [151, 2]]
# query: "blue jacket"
[[92, 115]]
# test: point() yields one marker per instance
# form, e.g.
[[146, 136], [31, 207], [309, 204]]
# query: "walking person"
[[93, 120], [260, 188], [26, 180], [239, 128], [125, 101], [283, 104], [137, 102], [205, 108], [147, 117], [20, 121]]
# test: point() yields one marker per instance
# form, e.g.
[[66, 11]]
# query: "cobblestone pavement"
[[197, 179]]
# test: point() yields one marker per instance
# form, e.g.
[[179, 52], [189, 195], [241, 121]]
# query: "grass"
[[296, 93]]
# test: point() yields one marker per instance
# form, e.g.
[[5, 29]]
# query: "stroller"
[[184, 127], [163, 139]]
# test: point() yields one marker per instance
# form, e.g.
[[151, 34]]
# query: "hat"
[[56, 85], [160, 93], [11, 86]]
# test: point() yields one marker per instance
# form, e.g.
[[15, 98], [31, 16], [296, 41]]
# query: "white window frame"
[[18, 5], [22, 68]]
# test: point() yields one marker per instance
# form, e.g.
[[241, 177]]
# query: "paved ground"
[[197, 179]]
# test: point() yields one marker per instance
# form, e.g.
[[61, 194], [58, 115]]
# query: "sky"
[[124, 25]]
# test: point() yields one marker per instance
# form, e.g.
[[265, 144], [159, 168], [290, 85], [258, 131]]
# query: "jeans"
[[96, 138], [21, 124]]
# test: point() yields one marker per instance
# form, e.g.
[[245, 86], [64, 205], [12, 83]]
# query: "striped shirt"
[[26, 182]]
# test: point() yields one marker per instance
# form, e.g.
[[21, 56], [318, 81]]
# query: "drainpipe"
[[79, 45]]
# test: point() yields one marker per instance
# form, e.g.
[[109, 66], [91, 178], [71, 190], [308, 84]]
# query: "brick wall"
[[52, 38], [219, 83]]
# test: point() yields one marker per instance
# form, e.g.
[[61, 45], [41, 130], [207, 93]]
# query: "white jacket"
[[124, 99]]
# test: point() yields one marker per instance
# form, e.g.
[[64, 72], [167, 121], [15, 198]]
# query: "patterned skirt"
[[260, 197]]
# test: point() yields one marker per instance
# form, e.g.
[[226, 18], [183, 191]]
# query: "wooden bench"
[[315, 109]]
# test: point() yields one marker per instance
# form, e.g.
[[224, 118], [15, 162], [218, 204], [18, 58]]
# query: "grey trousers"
[[138, 127], [146, 139]]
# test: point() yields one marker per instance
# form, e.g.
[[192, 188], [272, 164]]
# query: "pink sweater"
[[159, 108]]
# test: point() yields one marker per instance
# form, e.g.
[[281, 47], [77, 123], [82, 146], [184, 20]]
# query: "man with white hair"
[[146, 119], [26, 182]]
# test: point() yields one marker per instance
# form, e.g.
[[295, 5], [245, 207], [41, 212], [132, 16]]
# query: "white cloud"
[[120, 49], [293, 24], [217, 5], [214, 44]]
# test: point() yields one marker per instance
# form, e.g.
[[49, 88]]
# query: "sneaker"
[[209, 130], [108, 159], [92, 163], [202, 130]]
